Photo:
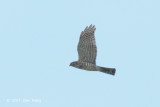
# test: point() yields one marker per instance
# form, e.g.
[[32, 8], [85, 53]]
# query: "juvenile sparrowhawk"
[[87, 52]]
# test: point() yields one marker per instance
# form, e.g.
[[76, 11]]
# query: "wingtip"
[[90, 27], [93, 26], [86, 28]]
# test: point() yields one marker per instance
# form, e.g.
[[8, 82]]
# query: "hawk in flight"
[[87, 52]]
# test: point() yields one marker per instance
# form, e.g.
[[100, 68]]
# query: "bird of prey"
[[87, 52]]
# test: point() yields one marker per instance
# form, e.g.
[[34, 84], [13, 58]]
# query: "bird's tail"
[[107, 70]]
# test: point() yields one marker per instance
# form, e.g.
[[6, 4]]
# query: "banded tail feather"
[[110, 71]]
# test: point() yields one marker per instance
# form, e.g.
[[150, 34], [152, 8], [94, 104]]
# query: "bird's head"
[[74, 64]]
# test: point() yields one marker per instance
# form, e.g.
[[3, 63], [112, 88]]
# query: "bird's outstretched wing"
[[87, 49]]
